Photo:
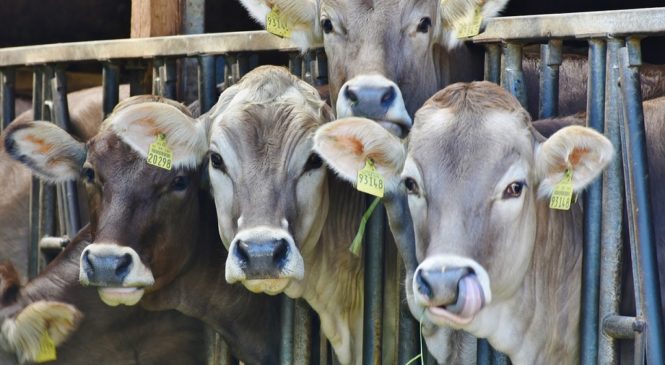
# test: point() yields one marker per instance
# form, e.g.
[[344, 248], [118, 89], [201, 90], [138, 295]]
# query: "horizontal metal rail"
[[599, 24], [172, 46]]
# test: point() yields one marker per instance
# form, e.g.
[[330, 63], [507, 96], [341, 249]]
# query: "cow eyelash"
[[411, 186], [217, 162], [424, 25], [514, 189]]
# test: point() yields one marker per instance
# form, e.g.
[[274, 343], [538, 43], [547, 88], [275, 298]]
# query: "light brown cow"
[[495, 260]]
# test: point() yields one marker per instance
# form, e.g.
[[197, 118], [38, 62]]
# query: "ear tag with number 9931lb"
[[159, 154], [369, 180], [563, 192]]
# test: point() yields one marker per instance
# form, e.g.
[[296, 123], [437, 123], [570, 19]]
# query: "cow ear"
[[453, 13], [302, 17], [50, 152], [40, 320], [582, 150], [346, 144]]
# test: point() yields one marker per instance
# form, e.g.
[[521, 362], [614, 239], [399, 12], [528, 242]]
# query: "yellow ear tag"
[[469, 27], [277, 25], [369, 180], [46, 349], [159, 153], [563, 192]]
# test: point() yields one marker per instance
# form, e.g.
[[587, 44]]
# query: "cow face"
[[385, 57], [269, 186], [141, 215], [477, 174]]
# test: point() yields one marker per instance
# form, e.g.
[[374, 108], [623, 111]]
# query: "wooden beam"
[[152, 18]]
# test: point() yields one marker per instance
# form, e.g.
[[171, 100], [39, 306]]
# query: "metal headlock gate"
[[614, 55]]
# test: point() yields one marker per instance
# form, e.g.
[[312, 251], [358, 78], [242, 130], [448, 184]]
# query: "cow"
[[153, 230], [494, 259], [85, 109]]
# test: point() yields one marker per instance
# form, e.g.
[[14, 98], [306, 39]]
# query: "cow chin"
[[268, 286], [116, 296]]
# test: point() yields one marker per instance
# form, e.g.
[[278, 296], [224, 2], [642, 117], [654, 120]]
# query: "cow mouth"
[[114, 296], [470, 300], [396, 128], [267, 286]]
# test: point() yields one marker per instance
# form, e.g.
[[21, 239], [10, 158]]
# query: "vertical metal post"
[[512, 77], [550, 60], [110, 85], [483, 352], [321, 73], [137, 73], [612, 205], [302, 337], [295, 63], [168, 74], [157, 64], [373, 259], [33, 245], [286, 349], [229, 71], [8, 79], [193, 22], [48, 196], [493, 63], [207, 87], [638, 188], [61, 113], [592, 212]]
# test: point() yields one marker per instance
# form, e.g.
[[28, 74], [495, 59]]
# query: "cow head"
[[476, 172], [267, 183], [385, 57], [140, 214]]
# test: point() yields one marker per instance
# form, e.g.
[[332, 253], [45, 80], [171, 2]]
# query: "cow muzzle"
[[375, 97], [451, 289], [264, 259], [117, 271]]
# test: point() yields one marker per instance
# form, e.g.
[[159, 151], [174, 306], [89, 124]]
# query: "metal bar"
[[136, 70], [493, 63], [47, 192], [157, 64], [302, 336], [512, 77], [286, 349], [483, 352], [61, 118], [612, 192], [168, 75], [110, 85], [630, 60], [550, 60], [33, 245], [372, 311], [171, 46], [295, 63], [622, 327], [207, 86], [8, 77], [598, 24], [592, 210]]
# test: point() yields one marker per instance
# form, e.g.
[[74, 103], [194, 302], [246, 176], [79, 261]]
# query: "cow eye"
[[180, 183], [424, 25], [327, 25], [313, 162], [411, 186], [217, 162], [514, 189], [88, 175]]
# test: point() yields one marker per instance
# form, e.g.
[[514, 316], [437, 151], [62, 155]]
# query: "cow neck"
[[247, 322], [334, 286], [543, 316]]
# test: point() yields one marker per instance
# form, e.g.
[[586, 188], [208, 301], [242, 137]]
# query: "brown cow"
[[153, 231], [495, 260]]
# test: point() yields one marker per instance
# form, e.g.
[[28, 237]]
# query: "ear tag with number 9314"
[[369, 180], [159, 154], [563, 192]]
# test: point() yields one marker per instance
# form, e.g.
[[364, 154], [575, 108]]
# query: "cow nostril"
[[424, 287], [87, 264], [281, 250], [388, 97], [351, 95], [123, 266], [242, 252]]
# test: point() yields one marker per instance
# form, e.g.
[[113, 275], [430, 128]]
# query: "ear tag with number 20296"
[[563, 192], [159, 154], [369, 180]]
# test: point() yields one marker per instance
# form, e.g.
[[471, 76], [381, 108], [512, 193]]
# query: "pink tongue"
[[473, 296]]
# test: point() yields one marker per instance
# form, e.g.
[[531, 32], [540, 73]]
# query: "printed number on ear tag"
[[469, 27], [277, 25], [159, 153], [369, 180], [46, 349], [563, 192]]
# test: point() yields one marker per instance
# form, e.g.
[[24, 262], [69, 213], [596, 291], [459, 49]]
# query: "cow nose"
[[440, 287], [370, 101], [106, 270], [262, 259]]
